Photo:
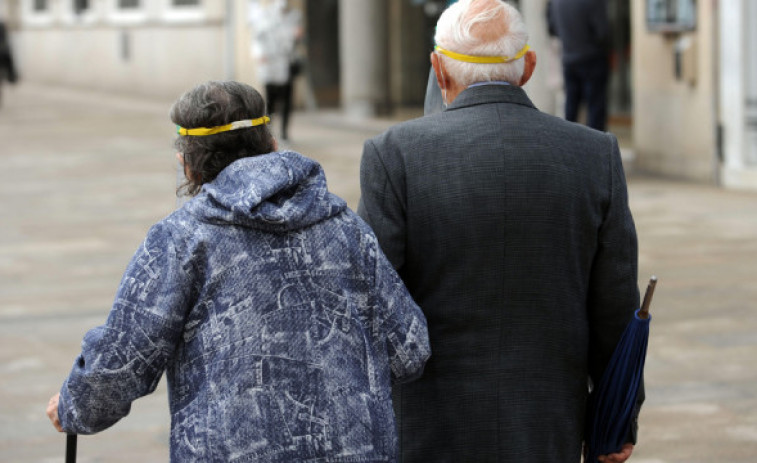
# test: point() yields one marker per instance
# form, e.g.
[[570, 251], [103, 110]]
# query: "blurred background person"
[[277, 31], [7, 67], [583, 27]]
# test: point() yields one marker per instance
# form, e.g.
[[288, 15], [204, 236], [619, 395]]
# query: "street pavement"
[[83, 175]]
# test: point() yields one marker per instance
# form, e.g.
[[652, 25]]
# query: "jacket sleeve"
[[401, 322], [613, 292], [124, 359], [382, 202]]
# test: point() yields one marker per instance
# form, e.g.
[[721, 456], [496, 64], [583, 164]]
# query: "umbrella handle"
[[71, 448], [644, 311]]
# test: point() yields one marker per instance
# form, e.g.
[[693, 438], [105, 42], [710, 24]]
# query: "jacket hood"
[[275, 192]]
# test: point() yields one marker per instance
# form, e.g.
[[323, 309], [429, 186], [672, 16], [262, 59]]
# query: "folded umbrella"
[[612, 403]]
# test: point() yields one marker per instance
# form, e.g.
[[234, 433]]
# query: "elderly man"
[[512, 231]]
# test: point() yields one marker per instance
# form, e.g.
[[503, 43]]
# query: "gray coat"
[[512, 231]]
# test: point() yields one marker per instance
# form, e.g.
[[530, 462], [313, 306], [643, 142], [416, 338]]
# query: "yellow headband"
[[482, 59], [202, 131]]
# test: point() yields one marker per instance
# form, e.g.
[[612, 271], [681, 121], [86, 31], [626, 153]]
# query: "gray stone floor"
[[83, 175]]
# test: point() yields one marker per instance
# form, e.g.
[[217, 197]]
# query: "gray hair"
[[212, 104], [459, 29]]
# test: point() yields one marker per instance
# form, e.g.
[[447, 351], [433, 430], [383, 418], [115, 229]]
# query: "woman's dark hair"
[[212, 104]]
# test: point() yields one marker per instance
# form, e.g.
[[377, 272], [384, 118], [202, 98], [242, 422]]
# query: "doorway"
[[620, 86], [322, 45]]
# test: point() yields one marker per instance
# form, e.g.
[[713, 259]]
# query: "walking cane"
[[71, 448]]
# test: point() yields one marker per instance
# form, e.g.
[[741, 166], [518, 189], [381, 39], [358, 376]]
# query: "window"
[[183, 11], [81, 6], [128, 4], [671, 15], [127, 11], [35, 12]]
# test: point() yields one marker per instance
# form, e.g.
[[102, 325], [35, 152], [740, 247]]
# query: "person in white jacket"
[[277, 29]]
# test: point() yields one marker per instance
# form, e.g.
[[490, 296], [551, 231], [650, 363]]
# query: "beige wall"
[[244, 67], [166, 54], [673, 119], [162, 62], [545, 86]]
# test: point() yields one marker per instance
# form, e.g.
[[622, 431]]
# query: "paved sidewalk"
[[85, 174]]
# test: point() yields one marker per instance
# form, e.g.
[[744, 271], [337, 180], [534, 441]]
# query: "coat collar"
[[485, 94]]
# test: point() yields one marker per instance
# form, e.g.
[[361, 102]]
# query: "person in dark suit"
[[583, 27], [7, 68], [512, 230]]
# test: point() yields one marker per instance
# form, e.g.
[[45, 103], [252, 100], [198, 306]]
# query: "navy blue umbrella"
[[612, 403]]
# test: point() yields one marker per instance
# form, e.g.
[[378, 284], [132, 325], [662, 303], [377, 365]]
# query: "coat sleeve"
[[401, 322], [124, 359], [382, 203], [613, 291]]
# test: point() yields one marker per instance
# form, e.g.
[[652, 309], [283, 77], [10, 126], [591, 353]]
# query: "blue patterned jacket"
[[277, 319]]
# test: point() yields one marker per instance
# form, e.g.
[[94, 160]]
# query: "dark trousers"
[[586, 81], [279, 96]]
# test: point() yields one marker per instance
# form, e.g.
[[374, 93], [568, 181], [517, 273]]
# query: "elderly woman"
[[268, 303]]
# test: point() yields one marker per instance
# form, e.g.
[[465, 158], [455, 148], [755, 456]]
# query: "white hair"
[[454, 33]]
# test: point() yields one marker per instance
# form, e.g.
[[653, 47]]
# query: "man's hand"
[[52, 411], [620, 457]]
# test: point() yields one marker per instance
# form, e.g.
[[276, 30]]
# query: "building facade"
[[695, 90], [684, 76], [159, 47], [151, 48]]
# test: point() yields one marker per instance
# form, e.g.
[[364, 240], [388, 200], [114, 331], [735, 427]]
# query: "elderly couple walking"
[[493, 244]]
